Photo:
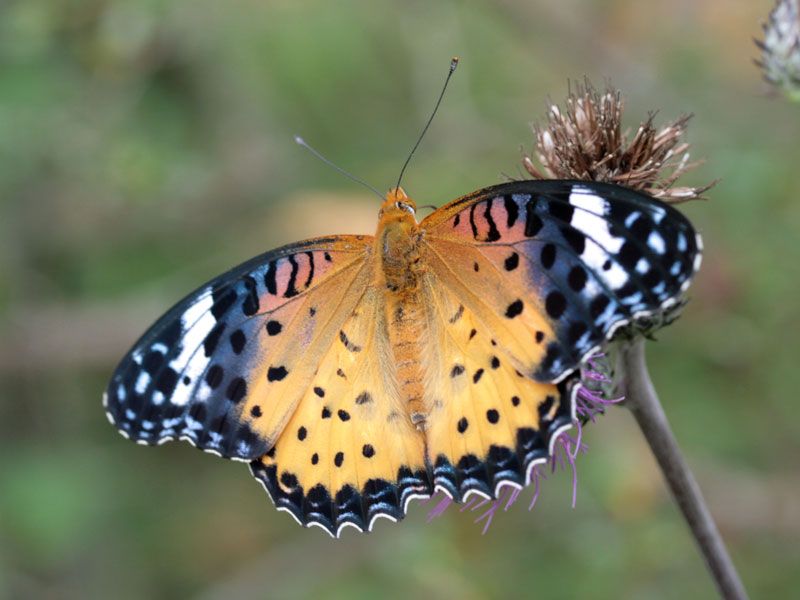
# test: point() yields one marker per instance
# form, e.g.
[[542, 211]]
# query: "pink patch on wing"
[[477, 215], [303, 279], [283, 273]]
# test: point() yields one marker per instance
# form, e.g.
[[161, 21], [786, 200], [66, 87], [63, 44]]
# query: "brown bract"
[[586, 141]]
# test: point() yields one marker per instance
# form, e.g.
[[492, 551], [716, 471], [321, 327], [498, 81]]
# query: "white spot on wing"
[[631, 219], [582, 197], [600, 245], [172, 423], [192, 424], [594, 256], [142, 382], [656, 242], [196, 323]]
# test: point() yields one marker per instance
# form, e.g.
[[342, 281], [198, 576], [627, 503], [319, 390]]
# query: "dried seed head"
[[586, 141], [780, 50]]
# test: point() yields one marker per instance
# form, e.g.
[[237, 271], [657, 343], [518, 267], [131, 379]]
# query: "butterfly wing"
[[226, 366], [350, 453], [528, 278], [285, 361], [585, 258], [492, 423]]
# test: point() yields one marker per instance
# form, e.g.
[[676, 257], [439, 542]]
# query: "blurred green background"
[[147, 146]]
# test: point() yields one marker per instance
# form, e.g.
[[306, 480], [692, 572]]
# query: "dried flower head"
[[586, 141], [780, 50]]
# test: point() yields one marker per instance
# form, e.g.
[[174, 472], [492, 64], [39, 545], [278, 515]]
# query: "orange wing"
[[350, 454], [225, 368], [284, 362], [528, 279], [580, 258], [488, 424]]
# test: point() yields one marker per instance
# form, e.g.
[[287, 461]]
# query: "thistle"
[[586, 140]]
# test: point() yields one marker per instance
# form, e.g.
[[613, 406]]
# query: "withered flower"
[[586, 141]]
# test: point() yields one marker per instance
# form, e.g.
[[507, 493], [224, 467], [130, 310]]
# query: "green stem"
[[642, 400]]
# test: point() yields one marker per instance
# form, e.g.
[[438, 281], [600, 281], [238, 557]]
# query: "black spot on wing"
[[493, 234], [514, 309], [237, 390], [269, 278], [347, 343], [457, 315], [533, 222], [547, 258], [576, 239], [238, 340], [250, 305], [555, 304], [310, 276], [214, 376], [512, 210], [276, 373], [511, 262], [223, 300], [291, 289], [364, 398]]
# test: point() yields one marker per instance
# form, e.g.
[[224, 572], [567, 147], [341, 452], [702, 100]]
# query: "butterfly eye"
[[406, 207]]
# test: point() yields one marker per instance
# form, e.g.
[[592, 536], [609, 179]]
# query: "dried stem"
[[642, 400]]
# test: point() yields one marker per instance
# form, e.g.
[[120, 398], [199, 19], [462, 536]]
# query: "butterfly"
[[356, 373]]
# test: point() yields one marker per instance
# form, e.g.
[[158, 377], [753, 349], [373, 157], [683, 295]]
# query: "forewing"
[[252, 337], [564, 263]]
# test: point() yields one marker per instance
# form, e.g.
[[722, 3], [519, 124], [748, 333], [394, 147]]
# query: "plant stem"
[[642, 400]]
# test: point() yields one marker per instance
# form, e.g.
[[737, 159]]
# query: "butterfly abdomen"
[[398, 246], [405, 318]]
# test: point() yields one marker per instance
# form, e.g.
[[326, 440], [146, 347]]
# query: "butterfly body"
[[356, 373]]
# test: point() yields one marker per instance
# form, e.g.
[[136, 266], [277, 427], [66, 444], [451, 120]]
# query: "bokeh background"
[[147, 146]]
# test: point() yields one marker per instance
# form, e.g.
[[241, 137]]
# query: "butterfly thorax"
[[398, 242], [399, 245]]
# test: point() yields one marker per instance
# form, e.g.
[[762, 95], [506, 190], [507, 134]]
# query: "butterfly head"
[[398, 208]]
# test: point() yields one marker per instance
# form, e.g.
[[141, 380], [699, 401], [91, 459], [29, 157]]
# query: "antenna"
[[301, 142], [453, 65]]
